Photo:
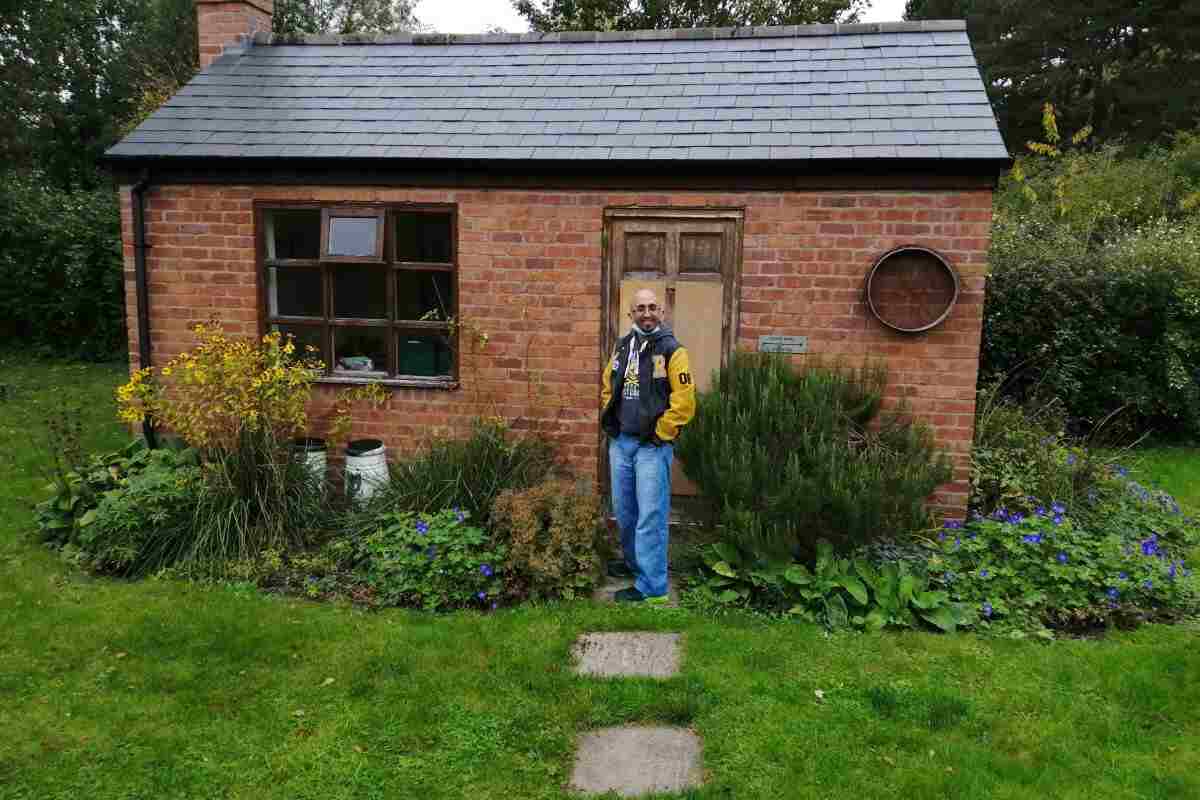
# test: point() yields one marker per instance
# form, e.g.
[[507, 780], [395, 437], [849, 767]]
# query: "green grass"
[[1176, 469], [160, 689]]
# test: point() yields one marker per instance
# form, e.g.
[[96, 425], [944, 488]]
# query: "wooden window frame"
[[328, 323]]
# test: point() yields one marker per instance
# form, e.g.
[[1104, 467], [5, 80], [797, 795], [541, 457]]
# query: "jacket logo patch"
[[660, 366]]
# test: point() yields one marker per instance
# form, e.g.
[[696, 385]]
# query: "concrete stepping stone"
[[634, 761], [627, 655]]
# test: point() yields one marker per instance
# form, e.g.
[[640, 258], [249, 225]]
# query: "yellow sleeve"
[[606, 383], [683, 398]]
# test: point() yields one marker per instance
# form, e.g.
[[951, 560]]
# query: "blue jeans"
[[641, 495]]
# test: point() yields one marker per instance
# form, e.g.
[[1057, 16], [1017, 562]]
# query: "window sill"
[[399, 383]]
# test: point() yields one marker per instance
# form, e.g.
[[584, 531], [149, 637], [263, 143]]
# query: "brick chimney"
[[221, 24]]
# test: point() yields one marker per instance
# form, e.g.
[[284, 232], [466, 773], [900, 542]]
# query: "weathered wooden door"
[[690, 258]]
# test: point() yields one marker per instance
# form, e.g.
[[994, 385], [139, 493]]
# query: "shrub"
[[433, 561], [62, 285], [1047, 568], [465, 473], [1022, 453], [135, 528], [789, 457], [552, 532], [1118, 325]]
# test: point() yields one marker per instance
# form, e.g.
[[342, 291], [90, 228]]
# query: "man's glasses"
[[642, 309]]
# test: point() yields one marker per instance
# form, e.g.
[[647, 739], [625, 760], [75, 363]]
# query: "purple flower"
[[495, 605], [942, 536], [1148, 584], [952, 523], [1015, 518], [986, 608], [1000, 514], [1058, 519], [1123, 576], [1070, 459], [1121, 471], [1172, 570], [459, 515], [486, 569], [1062, 558], [1150, 546], [957, 542], [422, 527], [983, 573], [431, 553], [1040, 511], [1112, 593], [1032, 538], [1058, 508], [482, 596]]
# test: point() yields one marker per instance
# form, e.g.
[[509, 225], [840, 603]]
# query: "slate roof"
[[873, 91]]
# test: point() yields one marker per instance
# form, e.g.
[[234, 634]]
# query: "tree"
[[343, 16], [1129, 68], [620, 15], [72, 72]]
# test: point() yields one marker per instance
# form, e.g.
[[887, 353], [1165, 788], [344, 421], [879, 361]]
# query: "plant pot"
[[314, 454], [366, 469]]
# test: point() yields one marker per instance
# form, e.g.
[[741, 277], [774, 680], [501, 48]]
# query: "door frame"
[[610, 283]]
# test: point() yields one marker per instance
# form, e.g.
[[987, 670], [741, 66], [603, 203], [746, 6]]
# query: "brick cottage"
[[823, 190]]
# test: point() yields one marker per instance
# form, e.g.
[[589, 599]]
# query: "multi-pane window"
[[371, 288]]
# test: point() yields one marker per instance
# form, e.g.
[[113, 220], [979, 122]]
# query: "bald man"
[[646, 397]]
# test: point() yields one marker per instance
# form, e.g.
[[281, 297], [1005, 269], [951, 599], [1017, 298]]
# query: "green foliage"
[[342, 16], [464, 473], [836, 592], [1021, 454], [433, 561], [74, 72], [1118, 323], [623, 15], [789, 457], [61, 284], [135, 527], [1131, 70], [79, 489], [1123, 563], [551, 531]]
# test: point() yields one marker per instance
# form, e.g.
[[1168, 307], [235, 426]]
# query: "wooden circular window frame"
[[910, 248]]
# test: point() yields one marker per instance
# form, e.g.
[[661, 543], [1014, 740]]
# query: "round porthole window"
[[911, 289]]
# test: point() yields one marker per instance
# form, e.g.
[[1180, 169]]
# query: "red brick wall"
[[221, 22], [530, 275]]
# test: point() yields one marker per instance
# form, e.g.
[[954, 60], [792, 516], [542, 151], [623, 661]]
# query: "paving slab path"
[[630, 655], [634, 760]]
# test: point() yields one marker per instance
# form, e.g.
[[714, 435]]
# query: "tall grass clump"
[[788, 457]]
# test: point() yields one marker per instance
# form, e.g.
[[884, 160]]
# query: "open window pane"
[[293, 233], [423, 237], [425, 355], [359, 351], [308, 339], [360, 291], [424, 294], [296, 292], [353, 237]]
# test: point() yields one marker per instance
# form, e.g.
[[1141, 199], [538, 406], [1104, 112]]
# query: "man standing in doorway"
[[647, 396]]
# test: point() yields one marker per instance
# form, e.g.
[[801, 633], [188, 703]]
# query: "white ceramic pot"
[[366, 469]]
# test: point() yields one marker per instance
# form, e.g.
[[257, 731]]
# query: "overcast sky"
[[475, 16]]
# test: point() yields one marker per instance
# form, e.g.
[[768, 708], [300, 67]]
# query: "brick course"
[[530, 275], [221, 22]]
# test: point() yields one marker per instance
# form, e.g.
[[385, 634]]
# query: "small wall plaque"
[[783, 344]]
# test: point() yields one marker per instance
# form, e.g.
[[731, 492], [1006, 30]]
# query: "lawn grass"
[[160, 689], [1175, 469]]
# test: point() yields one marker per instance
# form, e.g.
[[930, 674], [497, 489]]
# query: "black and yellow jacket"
[[668, 394]]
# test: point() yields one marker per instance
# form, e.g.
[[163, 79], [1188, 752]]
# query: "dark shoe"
[[617, 568], [630, 595]]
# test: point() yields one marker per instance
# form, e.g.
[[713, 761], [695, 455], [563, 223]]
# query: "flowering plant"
[[434, 561], [1047, 568], [224, 388]]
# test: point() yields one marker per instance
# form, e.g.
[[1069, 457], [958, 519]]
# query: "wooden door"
[[690, 258]]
